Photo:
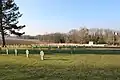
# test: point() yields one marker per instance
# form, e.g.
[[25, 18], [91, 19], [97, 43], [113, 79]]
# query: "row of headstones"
[[17, 46], [27, 53]]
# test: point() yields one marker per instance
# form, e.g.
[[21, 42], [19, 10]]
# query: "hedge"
[[67, 51]]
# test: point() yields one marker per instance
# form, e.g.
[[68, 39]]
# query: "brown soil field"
[[17, 41]]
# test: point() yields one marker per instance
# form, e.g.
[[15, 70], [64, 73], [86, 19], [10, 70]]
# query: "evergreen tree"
[[9, 14]]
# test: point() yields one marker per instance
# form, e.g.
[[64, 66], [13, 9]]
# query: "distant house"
[[90, 43]]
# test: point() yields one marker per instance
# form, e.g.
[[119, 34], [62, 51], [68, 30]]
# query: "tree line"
[[82, 36]]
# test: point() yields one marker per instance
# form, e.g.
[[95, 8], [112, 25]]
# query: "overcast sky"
[[46, 16]]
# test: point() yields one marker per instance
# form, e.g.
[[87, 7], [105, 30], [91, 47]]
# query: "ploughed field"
[[60, 67], [18, 41]]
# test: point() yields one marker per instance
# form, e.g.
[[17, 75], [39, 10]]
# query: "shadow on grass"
[[57, 59]]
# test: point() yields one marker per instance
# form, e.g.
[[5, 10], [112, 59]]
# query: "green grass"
[[60, 67]]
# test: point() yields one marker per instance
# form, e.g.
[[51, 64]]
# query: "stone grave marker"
[[42, 55], [27, 53], [7, 52], [16, 52]]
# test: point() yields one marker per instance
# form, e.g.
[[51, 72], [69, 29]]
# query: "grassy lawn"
[[60, 67]]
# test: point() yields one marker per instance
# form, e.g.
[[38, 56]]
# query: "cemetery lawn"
[[60, 67]]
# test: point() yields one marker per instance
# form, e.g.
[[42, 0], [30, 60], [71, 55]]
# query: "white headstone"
[[15, 52], [7, 51], [58, 46], [42, 55], [27, 53]]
